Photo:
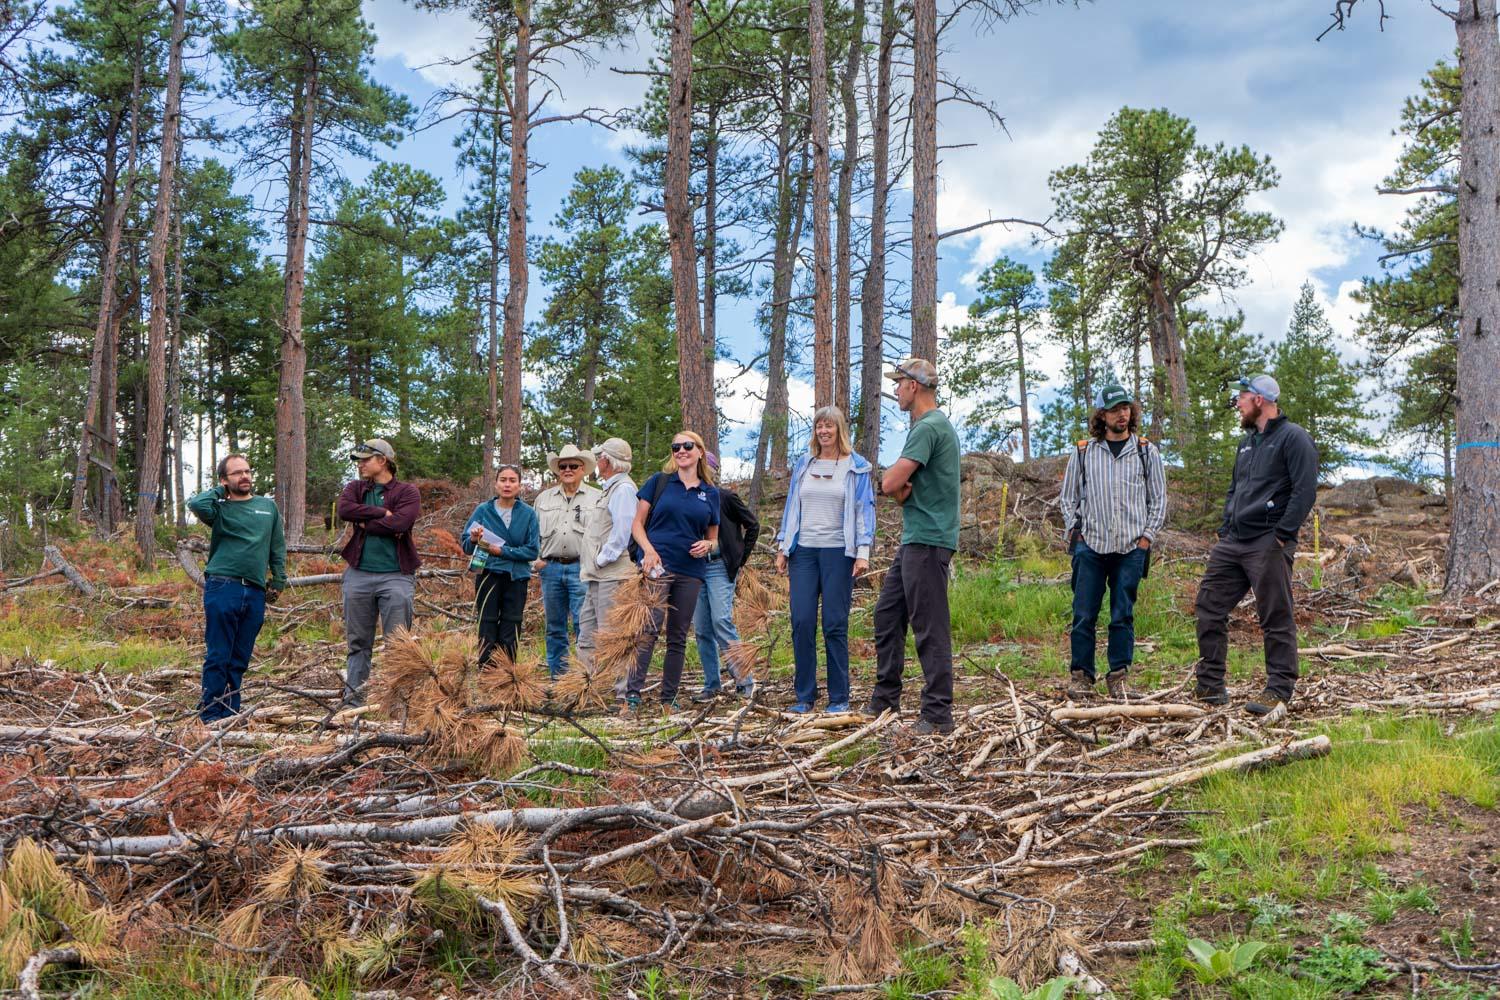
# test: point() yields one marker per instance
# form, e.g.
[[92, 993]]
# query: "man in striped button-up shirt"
[[1113, 502]]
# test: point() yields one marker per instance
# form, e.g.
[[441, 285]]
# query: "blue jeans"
[[713, 622], [830, 573], [232, 614], [562, 598], [1091, 572]]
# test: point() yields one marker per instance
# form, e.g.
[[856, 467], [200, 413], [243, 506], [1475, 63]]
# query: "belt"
[[563, 560], [715, 555], [234, 579]]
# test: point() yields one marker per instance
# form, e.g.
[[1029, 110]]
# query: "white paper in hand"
[[490, 538]]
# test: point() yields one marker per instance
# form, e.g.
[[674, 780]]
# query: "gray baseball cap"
[[372, 447], [1262, 385]]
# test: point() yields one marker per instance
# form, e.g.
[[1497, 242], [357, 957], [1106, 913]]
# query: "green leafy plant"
[[1345, 967], [1270, 913], [1212, 965], [1005, 988], [1347, 928]]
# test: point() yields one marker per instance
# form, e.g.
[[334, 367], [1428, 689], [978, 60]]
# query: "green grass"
[[1330, 815], [71, 647]]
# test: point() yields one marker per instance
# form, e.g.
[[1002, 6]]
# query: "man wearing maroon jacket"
[[380, 580]]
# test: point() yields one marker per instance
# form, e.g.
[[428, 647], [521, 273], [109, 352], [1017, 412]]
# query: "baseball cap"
[[1111, 396], [919, 370], [615, 449], [374, 446], [1261, 385]]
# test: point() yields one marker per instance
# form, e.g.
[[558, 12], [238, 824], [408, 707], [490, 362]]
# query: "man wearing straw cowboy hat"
[[563, 512]]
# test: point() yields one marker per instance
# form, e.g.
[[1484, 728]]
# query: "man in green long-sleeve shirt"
[[246, 567]]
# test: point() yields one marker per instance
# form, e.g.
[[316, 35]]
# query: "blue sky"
[[1243, 73]]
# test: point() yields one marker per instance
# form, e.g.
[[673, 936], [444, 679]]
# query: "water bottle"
[[481, 557]]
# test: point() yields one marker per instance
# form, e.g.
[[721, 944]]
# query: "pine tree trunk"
[[1167, 356], [924, 180], [492, 233], [291, 408], [1474, 543], [99, 405], [711, 237], [872, 290], [179, 476], [519, 276], [149, 474], [843, 262], [1021, 384], [694, 364], [822, 315]]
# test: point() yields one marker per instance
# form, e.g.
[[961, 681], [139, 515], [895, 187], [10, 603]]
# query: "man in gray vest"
[[604, 562]]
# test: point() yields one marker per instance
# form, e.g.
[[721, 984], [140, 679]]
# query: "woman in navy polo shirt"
[[676, 526]]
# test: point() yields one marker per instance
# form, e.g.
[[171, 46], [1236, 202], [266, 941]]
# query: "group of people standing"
[[690, 537]]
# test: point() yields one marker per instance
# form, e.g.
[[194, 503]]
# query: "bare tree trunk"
[[1021, 380], [291, 408], [711, 236], [1474, 543], [822, 315], [843, 283], [149, 473], [515, 292], [924, 180], [113, 220], [492, 234], [784, 257], [179, 477], [872, 289], [1167, 355], [694, 363]]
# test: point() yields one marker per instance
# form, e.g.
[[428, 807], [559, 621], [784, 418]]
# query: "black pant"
[[499, 604], [1235, 567], [915, 593], [682, 601]]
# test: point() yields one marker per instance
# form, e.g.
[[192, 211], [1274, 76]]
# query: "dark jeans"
[[915, 593], [499, 604], [682, 602], [829, 573], [1235, 567], [1121, 571], [232, 615], [562, 597]]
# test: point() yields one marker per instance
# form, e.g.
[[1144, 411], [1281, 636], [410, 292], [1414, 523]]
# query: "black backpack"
[[661, 487]]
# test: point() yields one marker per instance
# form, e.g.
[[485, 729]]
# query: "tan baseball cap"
[[372, 447], [615, 449], [919, 370]]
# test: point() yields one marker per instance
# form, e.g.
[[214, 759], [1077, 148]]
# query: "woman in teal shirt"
[[513, 541]]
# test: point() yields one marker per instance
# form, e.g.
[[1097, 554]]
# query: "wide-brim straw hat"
[[569, 451]]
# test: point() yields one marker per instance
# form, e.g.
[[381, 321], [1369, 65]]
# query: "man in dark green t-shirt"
[[924, 480], [246, 568]]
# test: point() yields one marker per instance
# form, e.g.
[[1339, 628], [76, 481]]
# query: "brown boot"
[[1118, 689], [1079, 685]]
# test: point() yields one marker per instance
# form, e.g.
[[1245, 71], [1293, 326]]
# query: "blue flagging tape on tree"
[[1479, 444]]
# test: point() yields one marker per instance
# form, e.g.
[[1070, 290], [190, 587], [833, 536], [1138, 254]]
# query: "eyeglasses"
[[682, 446], [569, 466]]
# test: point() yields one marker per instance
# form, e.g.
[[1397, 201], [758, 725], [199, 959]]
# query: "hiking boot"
[[1266, 703], [1211, 694], [837, 708], [630, 708], [801, 708], [925, 728], [873, 710], [1118, 689], [1080, 685], [706, 695]]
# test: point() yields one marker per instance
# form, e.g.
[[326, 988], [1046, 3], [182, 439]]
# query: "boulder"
[[1355, 496]]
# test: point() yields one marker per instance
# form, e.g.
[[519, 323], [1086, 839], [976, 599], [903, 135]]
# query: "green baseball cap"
[[1112, 395]]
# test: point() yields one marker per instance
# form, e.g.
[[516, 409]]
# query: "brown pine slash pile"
[[755, 850]]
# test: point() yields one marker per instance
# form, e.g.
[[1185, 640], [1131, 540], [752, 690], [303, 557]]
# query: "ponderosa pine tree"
[[302, 68], [1156, 208], [1318, 389], [985, 354]]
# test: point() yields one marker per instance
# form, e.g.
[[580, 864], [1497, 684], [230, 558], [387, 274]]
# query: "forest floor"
[[1148, 849]]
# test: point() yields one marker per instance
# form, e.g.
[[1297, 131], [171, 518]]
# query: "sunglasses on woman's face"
[[682, 446]]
